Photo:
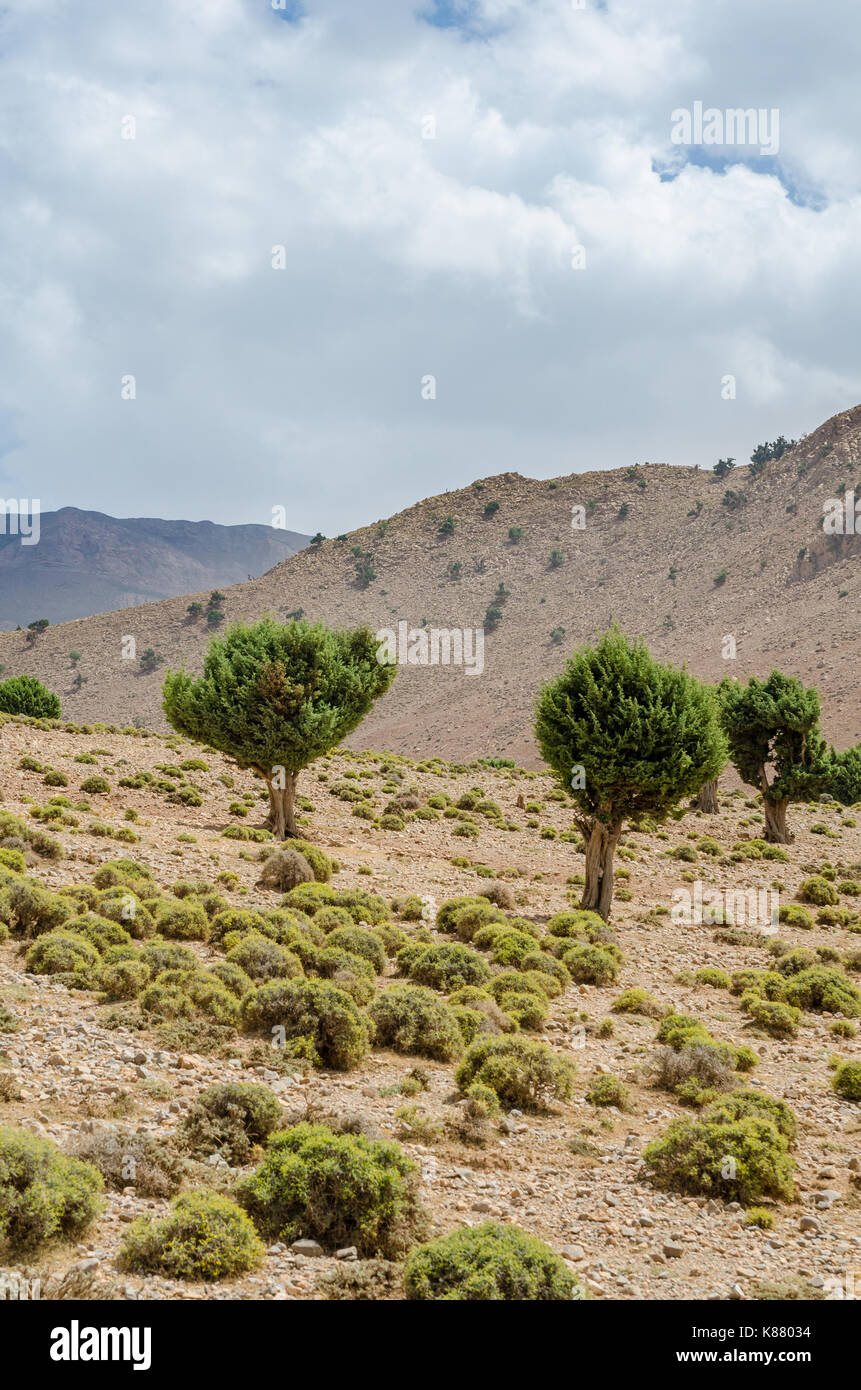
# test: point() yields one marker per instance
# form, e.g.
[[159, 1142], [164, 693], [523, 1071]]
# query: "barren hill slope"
[[665, 551]]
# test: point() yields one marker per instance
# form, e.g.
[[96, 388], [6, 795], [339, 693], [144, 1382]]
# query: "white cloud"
[[408, 255]]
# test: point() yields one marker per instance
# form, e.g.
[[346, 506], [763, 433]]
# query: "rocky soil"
[[572, 1176]]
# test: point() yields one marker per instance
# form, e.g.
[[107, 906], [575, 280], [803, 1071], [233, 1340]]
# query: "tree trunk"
[[601, 842], [282, 806], [776, 832], [707, 799]]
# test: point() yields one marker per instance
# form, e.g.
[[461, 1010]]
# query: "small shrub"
[[608, 1090], [126, 1159], [412, 1020], [286, 869], [230, 1119], [638, 1001], [823, 990], [207, 1236], [95, 786], [818, 891], [314, 1010], [488, 1263], [66, 953], [691, 1157], [182, 921], [338, 1189], [43, 1193], [523, 1074], [846, 1080], [591, 965], [448, 966], [780, 1020]]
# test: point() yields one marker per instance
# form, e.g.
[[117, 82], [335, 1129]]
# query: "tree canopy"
[[627, 736], [775, 745], [276, 696]]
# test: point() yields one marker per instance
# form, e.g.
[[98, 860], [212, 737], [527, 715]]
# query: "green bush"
[[780, 1020], [127, 872], [710, 975], [847, 1080], [608, 1090], [43, 1193], [312, 1010], [527, 1009], [124, 979], [234, 920], [822, 990], [447, 967], [577, 923], [591, 965], [737, 1160], [161, 955], [230, 1118], [93, 786], [122, 905], [462, 917], [338, 1189], [411, 1019], [638, 1001], [28, 908], [27, 696], [359, 942], [65, 953], [488, 1263], [182, 921], [742, 1105], [207, 1236], [524, 1074], [818, 891], [261, 958]]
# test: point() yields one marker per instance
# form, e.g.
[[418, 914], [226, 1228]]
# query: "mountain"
[[86, 562], [691, 562]]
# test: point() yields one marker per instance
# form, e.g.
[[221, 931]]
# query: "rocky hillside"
[[110, 1063], [692, 562], [86, 562]]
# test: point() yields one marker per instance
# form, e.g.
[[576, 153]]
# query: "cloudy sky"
[[429, 167]]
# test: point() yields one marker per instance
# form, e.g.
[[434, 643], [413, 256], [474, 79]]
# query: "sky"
[[494, 254]]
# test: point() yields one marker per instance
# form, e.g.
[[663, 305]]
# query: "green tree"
[[845, 780], [627, 737], [25, 695], [275, 697], [775, 745]]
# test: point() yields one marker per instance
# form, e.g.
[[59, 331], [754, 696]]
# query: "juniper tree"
[[844, 782], [627, 736], [275, 697], [775, 745]]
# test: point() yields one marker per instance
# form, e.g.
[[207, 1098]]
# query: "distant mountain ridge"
[[87, 562], [732, 575]]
